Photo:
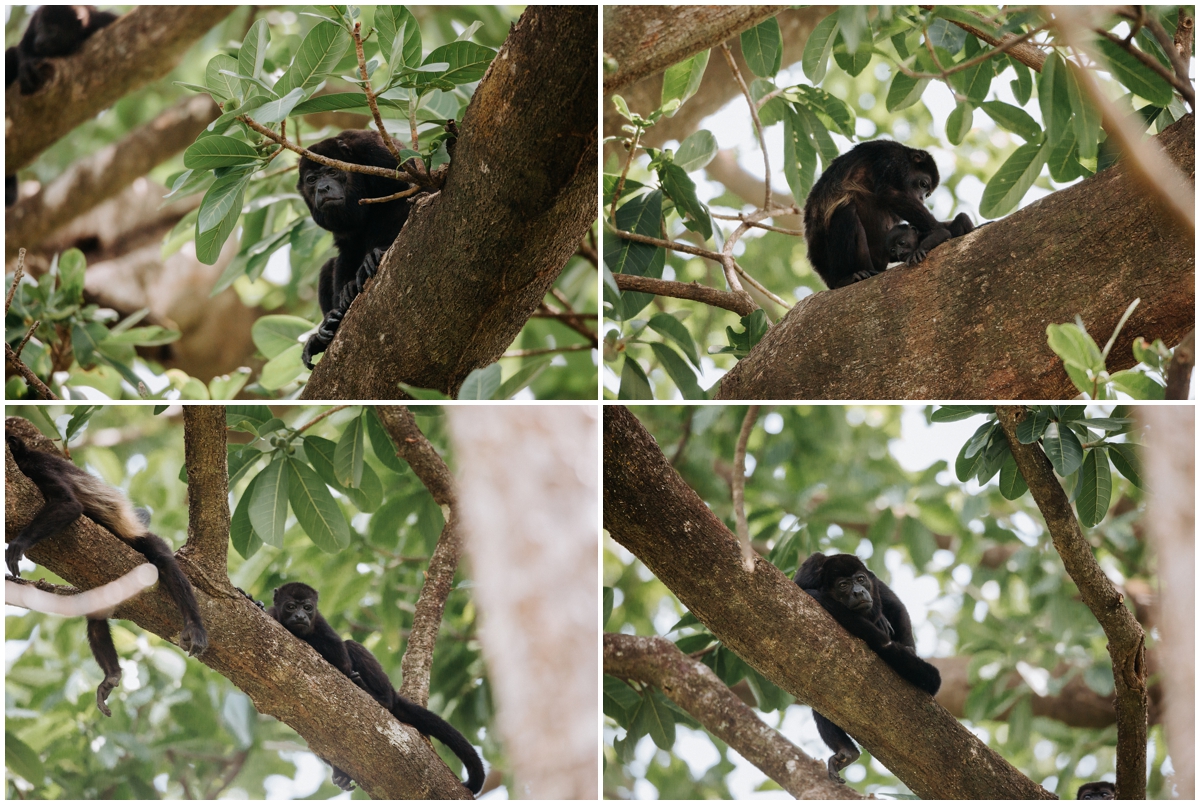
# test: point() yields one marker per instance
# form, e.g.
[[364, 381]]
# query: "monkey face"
[[920, 184], [853, 592], [298, 617]]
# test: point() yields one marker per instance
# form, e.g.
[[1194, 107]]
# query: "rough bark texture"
[[1126, 640], [284, 677], [644, 40], [1170, 461], [206, 456], [693, 686], [475, 261], [773, 625], [718, 87], [529, 482], [141, 47], [427, 465], [105, 173], [970, 322]]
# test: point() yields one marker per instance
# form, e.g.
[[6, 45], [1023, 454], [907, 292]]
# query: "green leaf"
[[381, 443], [225, 194], [223, 87], [1022, 85], [762, 47], [634, 383], [481, 384], [953, 413], [253, 51], [241, 531], [1012, 483], [680, 81], [1063, 449], [1063, 160], [1095, 488], [815, 60], [1031, 428], [1085, 117], [283, 368], [1009, 184], [655, 719], [269, 503], [468, 61], [273, 334], [799, 155], [277, 110], [967, 467], [318, 54], [85, 338], [21, 758], [680, 372], [1052, 98], [348, 457], [682, 190], [856, 31], [695, 152], [1140, 79], [904, 91], [1075, 347], [72, 268], [1014, 119], [755, 327], [315, 509], [670, 327], [821, 102], [993, 457], [620, 701], [218, 151], [430, 521], [369, 493], [974, 82], [1125, 458], [608, 606], [642, 216], [1138, 386], [390, 21], [958, 125], [980, 438], [529, 371]]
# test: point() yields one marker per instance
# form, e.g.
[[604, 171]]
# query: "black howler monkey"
[[863, 195], [70, 492], [295, 606], [361, 232], [1097, 790], [53, 31], [868, 609]]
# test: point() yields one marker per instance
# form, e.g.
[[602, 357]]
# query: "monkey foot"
[[105, 688]]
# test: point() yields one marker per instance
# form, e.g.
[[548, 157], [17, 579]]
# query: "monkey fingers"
[[193, 639], [918, 254], [104, 688], [342, 780], [13, 557]]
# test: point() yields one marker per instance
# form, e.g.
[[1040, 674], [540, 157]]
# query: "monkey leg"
[[193, 639], [319, 341], [845, 752], [961, 225], [60, 510], [100, 641]]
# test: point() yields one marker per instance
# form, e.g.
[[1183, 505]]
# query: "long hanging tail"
[[433, 725]]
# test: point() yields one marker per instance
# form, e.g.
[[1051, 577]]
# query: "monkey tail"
[[108, 507], [433, 725]]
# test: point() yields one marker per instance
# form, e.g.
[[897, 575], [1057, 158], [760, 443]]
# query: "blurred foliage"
[[180, 730], [976, 569]]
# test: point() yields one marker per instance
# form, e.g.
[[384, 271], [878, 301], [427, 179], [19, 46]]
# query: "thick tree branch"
[[476, 260], [970, 322], [428, 466], [693, 686], [1126, 640], [773, 625], [141, 47], [206, 457], [284, 677], [104, 174]]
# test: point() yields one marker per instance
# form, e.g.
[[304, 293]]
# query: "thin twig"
[[738, 484], [412, 191], [612, 213], [529, 353], [320, 416], [740, 303], [35, 382], [762, 143], [17, 274], [29, 334], [1184, 87], [362, 70]]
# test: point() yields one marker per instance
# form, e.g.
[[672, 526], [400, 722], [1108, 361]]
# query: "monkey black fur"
[[859, 198], [70, 492], [361, 232], [868, 609], [53, 31], [295, 606], [1097, 790]]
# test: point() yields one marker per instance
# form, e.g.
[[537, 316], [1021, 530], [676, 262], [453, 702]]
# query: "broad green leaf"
[[315, 509], [966, 467], [828, 106], [953, 413], [634, 383], [85, 338], [1125, 458], [1052, 98], [283, 368], [642, 215], [1063, 449], [818, 134], [1095, 488], [481, 384], [993, 457], [225, 194], [22, 759], [1085, 117], [904, 91], [980, 438], [856, 31], [222, 86], [273, 334], [530, 371], [318, 54], [974, 82], [695, 152], [369, 493], [1009, 184], [1138, 386], [72, 270], [348, 457], [799, 156], [468, 61], [254, 51], [1139, 78], [667, 325], [682, 190], [381, 443], [391, 21], [949, 37], [269, 503], [1062, 160], [241, 532], [1014, 119], [153, 336], [1075, 347], [218, 152], [1012, 483], [1022, 85], [762, 47], [679, 371], [680, 81], [277, 110], [656, 720], [815, 60], [341, 101], [1031, 428], [958, 125]]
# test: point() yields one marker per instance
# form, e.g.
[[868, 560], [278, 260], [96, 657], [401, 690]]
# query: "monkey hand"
[[13, 557], [369, 267], [193, 639], [342, 780], [105, 688], [918, 254], [319, 341]]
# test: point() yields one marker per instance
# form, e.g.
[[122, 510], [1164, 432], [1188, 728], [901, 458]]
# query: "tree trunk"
[[970, 323], [475, 260], [782, 632]]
